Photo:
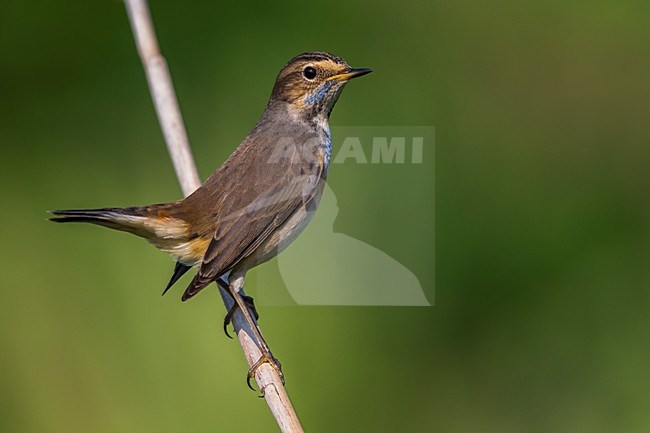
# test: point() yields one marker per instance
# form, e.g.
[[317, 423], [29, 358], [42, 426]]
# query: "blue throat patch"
[[318, 96]]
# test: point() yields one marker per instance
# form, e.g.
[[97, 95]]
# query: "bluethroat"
[[258, 201]]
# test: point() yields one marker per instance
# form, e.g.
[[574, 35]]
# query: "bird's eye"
[[309, 73]]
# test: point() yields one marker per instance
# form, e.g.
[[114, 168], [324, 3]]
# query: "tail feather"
[[83, 215], [156, 222], [125, 219]]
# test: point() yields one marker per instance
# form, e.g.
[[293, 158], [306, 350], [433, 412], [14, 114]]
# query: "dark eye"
[[309, 73]]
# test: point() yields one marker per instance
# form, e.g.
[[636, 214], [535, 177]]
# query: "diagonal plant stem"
[[171, 123]]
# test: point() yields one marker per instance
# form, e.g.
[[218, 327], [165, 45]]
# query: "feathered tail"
[[132, 219], [157, 223], [154, 223]]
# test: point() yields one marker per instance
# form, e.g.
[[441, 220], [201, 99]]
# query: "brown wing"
[[264, 186]]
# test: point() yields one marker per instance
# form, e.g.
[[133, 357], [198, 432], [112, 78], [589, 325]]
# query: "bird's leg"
[[266, 356], [221, 282], [250, 304]]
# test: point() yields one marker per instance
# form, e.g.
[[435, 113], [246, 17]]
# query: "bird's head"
[[312, 82]]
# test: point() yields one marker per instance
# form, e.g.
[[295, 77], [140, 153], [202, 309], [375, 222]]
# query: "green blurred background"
[[541, 320]]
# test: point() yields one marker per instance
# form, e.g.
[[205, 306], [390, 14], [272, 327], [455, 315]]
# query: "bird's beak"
[[350, 74]]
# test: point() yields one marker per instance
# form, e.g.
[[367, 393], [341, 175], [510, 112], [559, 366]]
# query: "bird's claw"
[[265, 358]]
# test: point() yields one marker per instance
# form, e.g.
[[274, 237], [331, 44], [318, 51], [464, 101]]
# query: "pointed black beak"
[[358, 72]]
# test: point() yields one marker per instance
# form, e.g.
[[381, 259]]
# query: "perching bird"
[[259, 200]]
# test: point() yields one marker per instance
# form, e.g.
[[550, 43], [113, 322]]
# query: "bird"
[[258, 201]]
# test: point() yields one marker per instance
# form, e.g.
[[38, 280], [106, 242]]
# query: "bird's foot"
[[265, 358], [248, 300]]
